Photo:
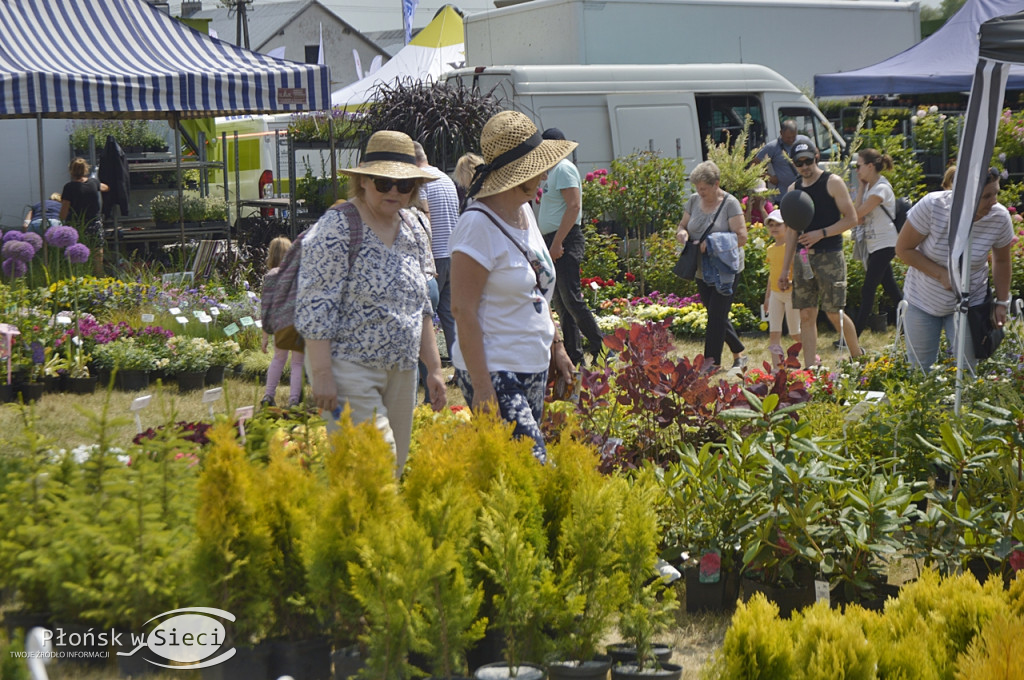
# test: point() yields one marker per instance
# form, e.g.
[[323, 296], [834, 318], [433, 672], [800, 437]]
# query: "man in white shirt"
[[442, 202]]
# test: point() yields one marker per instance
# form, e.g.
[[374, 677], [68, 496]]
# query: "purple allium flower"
[[77, 253], [18, 250], [13, 268], [13, 236], [35, 239], [38, 353], [61, 236]]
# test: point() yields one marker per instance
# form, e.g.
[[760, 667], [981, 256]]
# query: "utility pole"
[[241, 22]]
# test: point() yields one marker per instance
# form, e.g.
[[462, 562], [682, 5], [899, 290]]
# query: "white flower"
[[921, 113], [913, 119], [1002, 158], [933, 109]]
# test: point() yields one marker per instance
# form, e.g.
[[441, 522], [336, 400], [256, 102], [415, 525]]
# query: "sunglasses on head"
[[384, 184], [801, 162]]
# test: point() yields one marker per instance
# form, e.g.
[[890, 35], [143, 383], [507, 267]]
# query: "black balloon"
[[797, 209]]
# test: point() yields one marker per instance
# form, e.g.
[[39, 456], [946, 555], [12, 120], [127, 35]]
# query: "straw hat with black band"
[[514, 152], [390, 154]]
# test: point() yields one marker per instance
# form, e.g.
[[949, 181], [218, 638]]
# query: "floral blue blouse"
[[376, 318]]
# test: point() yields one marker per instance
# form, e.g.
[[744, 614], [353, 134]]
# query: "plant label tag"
[[183, 320], [230, 329], [259, 323], [821, 593], [64, 320], [242, 414], [198, 313], [214, 311], [148, 318], [246, 321], [174, 310], [594, 286], [710, 570], [8, 329], [77, 340], [205, 318], [252, 295], [609, 447], [139, 403], [213, 394]]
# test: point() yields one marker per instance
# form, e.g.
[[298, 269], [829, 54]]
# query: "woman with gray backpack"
[[875, 236]]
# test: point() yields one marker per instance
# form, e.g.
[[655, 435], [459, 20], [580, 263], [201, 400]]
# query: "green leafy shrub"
[[740, 173], [134, 134]]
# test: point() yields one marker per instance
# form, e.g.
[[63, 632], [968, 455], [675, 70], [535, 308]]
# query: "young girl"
[[778, 302], [278, 247]]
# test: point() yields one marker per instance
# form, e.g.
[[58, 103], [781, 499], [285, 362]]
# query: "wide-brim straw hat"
[[512, 133], [390, 154]]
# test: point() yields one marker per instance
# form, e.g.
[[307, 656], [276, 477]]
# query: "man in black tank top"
[[834, 213]]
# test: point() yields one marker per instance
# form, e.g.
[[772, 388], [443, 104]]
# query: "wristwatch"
[[1004, 303]]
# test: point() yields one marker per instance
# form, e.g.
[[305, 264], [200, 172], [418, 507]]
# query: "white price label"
[[214, 311], [183, 320], [174, 310], [259, 323], [246, 321], [821, 591], [64, 320], [148, 318], [139, 403], [593, 284], [198, 313], [213, 395]]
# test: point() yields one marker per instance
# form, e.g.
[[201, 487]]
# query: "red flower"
[[609, 283], [630, 277], [1016, 560]]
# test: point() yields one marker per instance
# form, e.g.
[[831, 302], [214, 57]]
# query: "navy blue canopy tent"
[[124, 58], [943, 62]]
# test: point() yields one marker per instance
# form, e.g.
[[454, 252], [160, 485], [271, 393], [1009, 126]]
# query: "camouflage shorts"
[[827, 289]]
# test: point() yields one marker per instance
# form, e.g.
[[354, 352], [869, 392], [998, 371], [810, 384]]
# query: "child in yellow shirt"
[[778, 302]]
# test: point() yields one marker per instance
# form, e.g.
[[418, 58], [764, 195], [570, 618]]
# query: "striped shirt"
[[442, 199], [930, 216]]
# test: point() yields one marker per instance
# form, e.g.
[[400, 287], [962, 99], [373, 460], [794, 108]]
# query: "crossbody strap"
[[519, 246], [714, 218], [891, 218]]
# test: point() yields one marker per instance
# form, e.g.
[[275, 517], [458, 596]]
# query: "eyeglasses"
[[384, 184], [803, 161]]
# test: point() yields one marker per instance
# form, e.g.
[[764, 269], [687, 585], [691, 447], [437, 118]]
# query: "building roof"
[[266, 20], [390, 41]]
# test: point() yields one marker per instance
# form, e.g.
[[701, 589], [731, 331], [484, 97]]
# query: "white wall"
[[19, 171]]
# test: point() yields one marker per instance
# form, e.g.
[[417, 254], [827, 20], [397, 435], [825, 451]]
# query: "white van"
[[614, 110]]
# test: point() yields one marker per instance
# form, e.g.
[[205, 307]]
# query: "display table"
[[138, 234]]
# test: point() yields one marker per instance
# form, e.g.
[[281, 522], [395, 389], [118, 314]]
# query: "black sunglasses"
[[803, 161], [384, 184]]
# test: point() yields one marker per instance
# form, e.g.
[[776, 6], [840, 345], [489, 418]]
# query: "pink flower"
[[590, 177], [710, 564], [604, 181]]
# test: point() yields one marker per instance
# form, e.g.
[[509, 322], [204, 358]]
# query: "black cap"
[[553, 133], [804, 149]]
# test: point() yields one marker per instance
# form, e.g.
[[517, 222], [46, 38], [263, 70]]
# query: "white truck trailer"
[[796, 38], [614, 110]]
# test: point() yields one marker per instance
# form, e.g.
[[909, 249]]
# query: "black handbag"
[[986, 335], [686, 266]]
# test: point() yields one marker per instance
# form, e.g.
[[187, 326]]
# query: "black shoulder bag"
[[686, 265], [985, 335]]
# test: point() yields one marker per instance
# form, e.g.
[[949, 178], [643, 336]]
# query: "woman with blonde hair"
[[463, 176], [275, 253], [365, 325], [503, 279]]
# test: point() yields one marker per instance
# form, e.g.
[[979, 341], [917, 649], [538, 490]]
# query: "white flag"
[[359, 64], [320, 59]]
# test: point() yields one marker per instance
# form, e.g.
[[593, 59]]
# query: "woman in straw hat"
[[503, 278], [365, 328]]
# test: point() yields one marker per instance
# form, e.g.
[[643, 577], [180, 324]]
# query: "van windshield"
[[811, 125], [722, 117]]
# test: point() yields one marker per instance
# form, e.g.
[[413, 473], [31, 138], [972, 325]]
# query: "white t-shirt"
[[879, 231], [930, 216], [517, 337]]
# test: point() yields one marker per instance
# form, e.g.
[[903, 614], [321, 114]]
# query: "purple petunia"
[[77, 253], [13, 236], [61, 236], [33, 238], [13, 268], [18, 250], [38, 353]]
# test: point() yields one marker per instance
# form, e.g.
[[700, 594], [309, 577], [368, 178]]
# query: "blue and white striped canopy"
[[70, 58]]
